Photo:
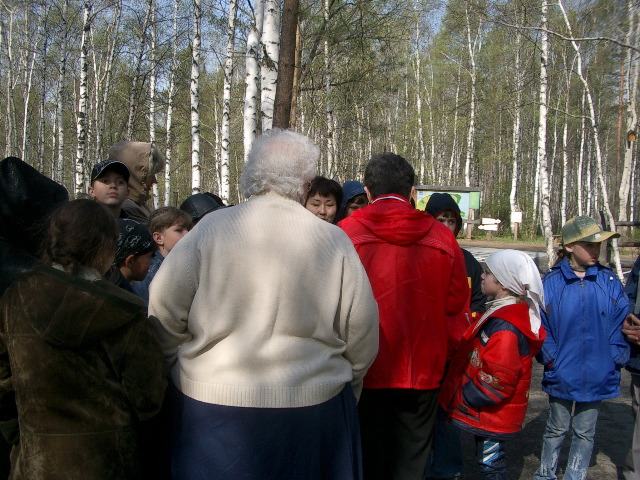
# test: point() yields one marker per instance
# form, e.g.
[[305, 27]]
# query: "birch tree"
[[270, 56], [60, 98], [152, 93], [170, 98], [226, 104], [596, 141], [630, 96], [543, 173], [195, 99], [252, 78], [517, 112], [82, 104], [473, 47]]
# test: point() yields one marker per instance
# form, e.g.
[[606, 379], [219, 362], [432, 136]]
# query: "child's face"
[[110, 189], [491, 287], [356, 203], [170, 236], [139, 266], [322, 207], [449, 220], [584, 254]]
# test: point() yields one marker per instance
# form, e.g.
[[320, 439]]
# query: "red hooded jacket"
[[486, 389], [417, 273]]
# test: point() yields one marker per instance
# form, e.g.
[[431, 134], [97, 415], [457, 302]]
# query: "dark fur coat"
[[86, 369]]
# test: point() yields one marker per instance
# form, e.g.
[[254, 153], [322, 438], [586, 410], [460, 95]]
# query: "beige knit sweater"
[[264, 305]]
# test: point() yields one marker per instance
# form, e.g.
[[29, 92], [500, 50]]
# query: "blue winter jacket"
[[584, 349]]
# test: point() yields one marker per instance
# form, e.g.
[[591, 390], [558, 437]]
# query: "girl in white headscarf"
[[485, 391]]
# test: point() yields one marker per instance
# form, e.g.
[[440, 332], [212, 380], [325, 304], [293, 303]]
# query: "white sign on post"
[[493, 228], [516, 217], [490, 221]]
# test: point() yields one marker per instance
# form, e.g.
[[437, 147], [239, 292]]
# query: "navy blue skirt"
[[215, 442]]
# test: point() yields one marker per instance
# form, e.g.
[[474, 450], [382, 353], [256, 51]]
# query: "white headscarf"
[[516, 271]]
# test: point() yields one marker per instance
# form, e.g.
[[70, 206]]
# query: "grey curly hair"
[[280, 161]]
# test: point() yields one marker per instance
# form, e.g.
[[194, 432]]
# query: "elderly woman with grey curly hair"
[[268, 324]]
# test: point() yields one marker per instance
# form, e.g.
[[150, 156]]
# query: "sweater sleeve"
[[358, 319], [170, 297]]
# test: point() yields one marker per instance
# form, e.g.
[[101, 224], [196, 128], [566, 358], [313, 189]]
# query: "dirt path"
[[613, 438]]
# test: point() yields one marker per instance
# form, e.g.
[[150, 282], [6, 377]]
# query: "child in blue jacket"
[[584, 349]]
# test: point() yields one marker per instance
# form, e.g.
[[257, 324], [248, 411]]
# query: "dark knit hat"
[[443, 202], [133, 239]]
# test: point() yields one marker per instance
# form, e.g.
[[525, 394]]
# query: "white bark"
[[170, 95], [195, 99], [252, 79], [225, 183], [516, 127], [596, 141], [417, 66], [543, 173], [134, 94], [630, 95], [269, 67], [60, 97], [152, 93], [473, 48], [583, 130], [328, 106], [81, 117]]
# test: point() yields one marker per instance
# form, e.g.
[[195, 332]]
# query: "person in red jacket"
[[418, 277], [486, 390]]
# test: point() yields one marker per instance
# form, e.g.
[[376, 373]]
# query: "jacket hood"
[[26, 197], [393, 220], [143, 160], [442, 202], [70, 312]]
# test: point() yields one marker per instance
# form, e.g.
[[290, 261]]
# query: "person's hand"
[[631, 329]]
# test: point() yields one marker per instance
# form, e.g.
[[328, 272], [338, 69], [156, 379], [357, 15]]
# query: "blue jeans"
[[446, 456], [491, 458], [583, 422]]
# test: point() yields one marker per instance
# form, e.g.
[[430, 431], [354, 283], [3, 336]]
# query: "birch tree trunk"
[[327, 80], [516, 127], [226, 105], [152, 94], [195, 99], [473, 48], [543, 173], [252, 78], [27, 95], [596, 141], [630, 95], [60, 97], [134, 95], [417, 66], [170, 95], [269, 67], [82, 104], [583, 129]]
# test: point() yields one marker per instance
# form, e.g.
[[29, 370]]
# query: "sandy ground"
[[613, 438]]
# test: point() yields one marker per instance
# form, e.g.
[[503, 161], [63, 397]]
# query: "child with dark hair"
[[135, 246], [109, 185], [167, 226], [323, 198], [79, 355], [353, 198]]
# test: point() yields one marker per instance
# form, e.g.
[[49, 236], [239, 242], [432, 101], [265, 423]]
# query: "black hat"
[[111, 164], [133, 239], [199, 204]]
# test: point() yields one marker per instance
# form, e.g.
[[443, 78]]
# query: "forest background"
[[533, 102]]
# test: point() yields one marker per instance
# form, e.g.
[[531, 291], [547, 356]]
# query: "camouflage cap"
[[584, 229]]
